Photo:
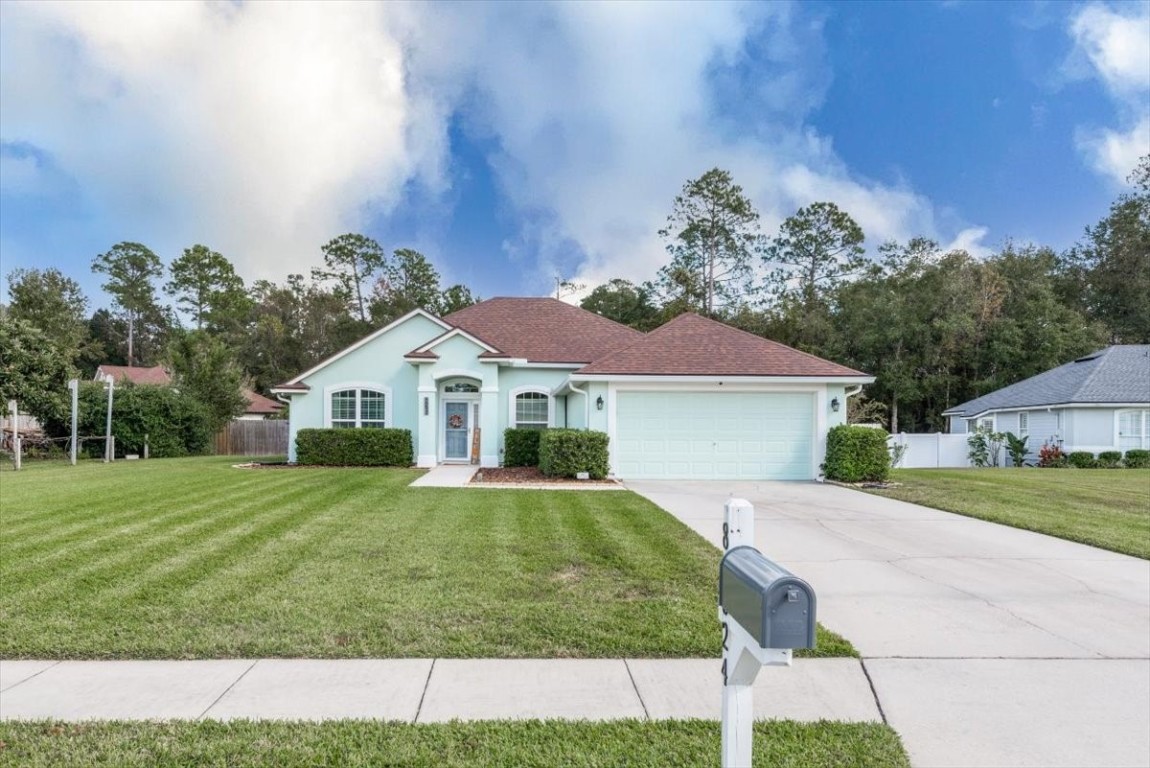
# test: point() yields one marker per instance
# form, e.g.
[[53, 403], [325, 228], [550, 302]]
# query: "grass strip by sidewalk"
[[194, 559], [630, 743], [1107, 508]]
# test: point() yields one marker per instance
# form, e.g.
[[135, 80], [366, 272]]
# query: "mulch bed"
[[528, 476]]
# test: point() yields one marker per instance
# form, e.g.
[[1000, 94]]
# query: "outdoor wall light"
[[835, 404], [599, 403]]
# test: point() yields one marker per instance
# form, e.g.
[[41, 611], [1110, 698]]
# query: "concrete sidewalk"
[[423, 690]]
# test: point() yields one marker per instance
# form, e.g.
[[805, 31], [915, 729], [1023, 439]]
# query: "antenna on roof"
[[564, 287]]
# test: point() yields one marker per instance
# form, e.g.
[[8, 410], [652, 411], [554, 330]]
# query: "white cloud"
[[1117, 46], [971, 241], [264, 129]]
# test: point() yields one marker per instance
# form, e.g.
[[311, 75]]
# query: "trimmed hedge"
[[1110, 459], [354, 447], [564, 452], [857, 454], [521, 447], [1082, 460], [1137, 458]]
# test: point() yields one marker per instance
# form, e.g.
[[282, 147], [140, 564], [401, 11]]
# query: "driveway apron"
[[986, 645]]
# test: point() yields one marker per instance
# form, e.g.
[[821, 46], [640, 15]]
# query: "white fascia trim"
[[710, 379], [288, 392], [369, 338], [369, 385], [530, 388], [452, 334], [989, 411], [520, 363]]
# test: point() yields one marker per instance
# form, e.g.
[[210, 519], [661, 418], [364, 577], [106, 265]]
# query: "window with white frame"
[[358, 407], [1133, 430], [986, 423], [1023, 424], [531, 410]]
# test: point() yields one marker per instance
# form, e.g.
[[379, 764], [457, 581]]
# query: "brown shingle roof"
[[691, 345], [257, 403], [135, 374], [543, 330]]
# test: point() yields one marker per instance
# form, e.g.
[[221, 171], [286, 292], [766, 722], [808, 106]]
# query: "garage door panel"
[[734, 435]]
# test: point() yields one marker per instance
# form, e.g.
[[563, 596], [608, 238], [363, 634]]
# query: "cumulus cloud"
[[264, 129], [1117, 46]]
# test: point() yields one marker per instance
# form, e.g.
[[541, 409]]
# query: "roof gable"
[[1117, 374], [692, 345], [292, 385], [425, 351], [542, 330]]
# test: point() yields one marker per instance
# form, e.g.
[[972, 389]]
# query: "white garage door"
[[713, 436]]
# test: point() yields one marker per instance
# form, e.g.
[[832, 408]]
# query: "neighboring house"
[[1100, 402], [258, 406], [692, 399]]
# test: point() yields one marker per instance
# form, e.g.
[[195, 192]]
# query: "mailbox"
[[775, 607]]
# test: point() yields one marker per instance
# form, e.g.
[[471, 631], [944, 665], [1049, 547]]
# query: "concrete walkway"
[[446, 476], [987, 645], [422, 690]]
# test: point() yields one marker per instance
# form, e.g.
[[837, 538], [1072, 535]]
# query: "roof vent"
[[1088, 358]]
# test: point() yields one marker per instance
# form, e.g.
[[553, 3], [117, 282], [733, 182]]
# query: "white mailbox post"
[[765, 612]]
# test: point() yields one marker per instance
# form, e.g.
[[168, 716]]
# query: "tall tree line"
[[217, 335], [935, 327]]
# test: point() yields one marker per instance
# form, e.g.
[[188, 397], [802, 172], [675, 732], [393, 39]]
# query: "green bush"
[[857, 454], [521, 447], [1110, 459], [354, 447], [564, 452], [1082, 460], [1137, 459], [174, 423]]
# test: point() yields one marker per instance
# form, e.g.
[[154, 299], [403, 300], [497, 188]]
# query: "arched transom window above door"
[[460, 386]]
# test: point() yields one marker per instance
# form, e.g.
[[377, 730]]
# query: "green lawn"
[[627, 743], [191, 558], [1109, 508]]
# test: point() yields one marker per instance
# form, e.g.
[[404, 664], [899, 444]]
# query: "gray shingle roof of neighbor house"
[[1118, 374]]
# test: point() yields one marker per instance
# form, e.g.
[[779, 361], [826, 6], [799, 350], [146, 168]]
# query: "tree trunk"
[[894, 414], [131, 333]]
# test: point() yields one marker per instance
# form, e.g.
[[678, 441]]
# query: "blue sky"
[[513, 142]]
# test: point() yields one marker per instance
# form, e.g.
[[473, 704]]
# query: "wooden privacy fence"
[[253, 438]]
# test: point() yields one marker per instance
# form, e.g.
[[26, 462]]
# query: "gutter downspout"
[[586, 404]]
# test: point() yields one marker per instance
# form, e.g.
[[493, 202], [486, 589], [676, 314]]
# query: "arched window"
[[358, 407], [532, 410], [460, 386]]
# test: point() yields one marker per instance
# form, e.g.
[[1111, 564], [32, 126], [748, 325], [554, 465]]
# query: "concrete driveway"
[[986, 645]]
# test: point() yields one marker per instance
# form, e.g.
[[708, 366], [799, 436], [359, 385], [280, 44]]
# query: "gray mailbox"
[[775, 607]]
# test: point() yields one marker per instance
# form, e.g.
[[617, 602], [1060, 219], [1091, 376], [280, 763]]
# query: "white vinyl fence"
[[932, 451]]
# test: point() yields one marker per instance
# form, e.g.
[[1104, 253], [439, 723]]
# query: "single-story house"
[[692, 399], [1099, 402], [257, 407]]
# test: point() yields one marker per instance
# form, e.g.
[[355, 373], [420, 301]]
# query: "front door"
[[457, 428]]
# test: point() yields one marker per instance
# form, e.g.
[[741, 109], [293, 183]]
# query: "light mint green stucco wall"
[[379, 362]]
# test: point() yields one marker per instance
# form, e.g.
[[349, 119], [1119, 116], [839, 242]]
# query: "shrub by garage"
[[566, 452], [355, 447], [1137, 458], [857, 454], [521, 447]]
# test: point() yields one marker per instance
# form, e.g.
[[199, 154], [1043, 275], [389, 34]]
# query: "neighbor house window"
[[1133, 430], [987, 423], [531, 410], [1023, 424], [358, 408]]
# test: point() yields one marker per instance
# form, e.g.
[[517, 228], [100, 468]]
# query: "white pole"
[[108, 449], [738, 703], [16, 449], [74, 385]]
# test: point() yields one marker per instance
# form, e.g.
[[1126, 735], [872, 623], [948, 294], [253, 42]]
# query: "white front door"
[[457, 430]]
